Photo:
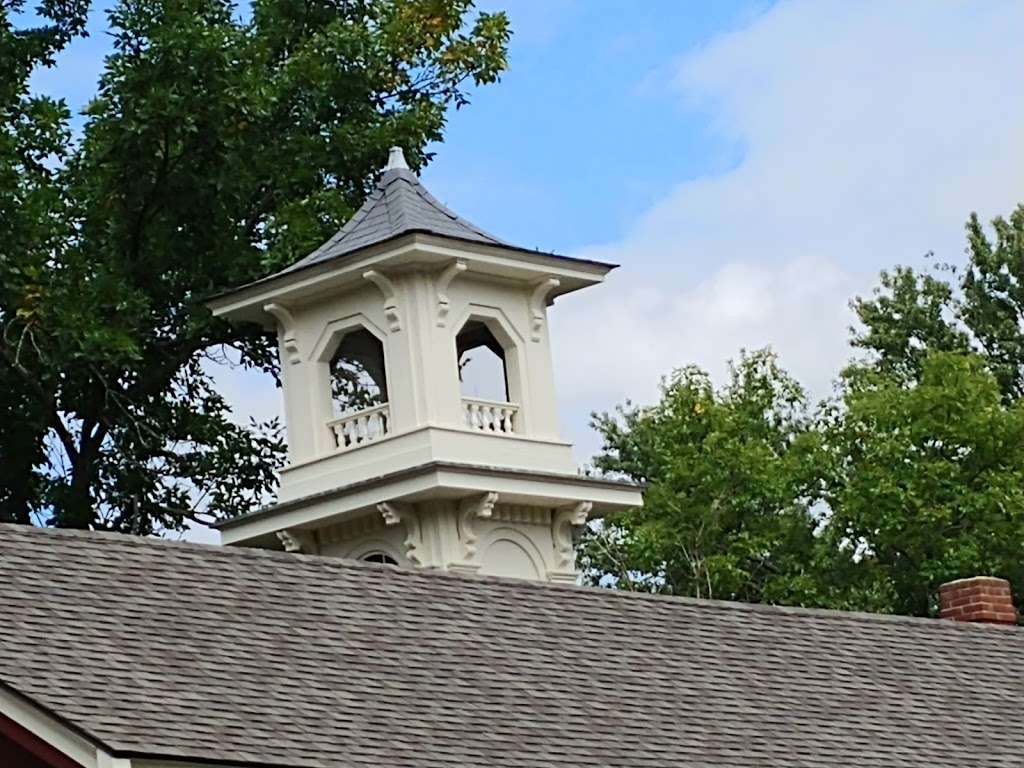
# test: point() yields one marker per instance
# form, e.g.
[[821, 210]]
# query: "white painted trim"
[[440, 482], [387, 288], [427, 426], [35, 720], [448, 274], [288, 331], [247, 302]]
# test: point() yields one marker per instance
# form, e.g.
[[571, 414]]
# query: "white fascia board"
[[436, 480], [47, 728], [413, 250], [247, 302]]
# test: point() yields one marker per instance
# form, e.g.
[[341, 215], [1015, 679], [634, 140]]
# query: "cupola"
[[391, 456]]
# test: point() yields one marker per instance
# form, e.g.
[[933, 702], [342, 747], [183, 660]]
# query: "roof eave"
[[247, 302]]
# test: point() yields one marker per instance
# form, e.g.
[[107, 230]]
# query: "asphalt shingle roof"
[[398, 205], [191, 651]]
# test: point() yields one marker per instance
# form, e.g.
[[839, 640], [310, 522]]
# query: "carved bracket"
[[299, 541], [286, 321], [562, 524], [538, 301], [383, 282], [474, 508], [448, 274], [395, 512]]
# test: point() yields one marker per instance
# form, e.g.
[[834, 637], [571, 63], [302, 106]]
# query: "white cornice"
[[410, 251]]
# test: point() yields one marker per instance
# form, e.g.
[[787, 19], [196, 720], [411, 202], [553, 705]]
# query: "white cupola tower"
[[393, 455]]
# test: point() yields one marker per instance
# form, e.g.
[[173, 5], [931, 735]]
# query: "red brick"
[[983, 599]]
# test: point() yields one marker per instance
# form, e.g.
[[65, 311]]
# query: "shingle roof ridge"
[[340, 564]]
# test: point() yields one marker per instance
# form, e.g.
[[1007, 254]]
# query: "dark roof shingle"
[[191, 651], [399, 204]]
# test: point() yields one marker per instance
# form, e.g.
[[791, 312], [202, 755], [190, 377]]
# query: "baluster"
[[506, 420], [474, 416]]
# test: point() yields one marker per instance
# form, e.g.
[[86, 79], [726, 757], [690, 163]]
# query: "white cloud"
[[870, 130]]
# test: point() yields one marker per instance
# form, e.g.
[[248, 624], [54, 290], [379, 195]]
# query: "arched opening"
[[358, 379], [359, 390], [484, 380], [482, 372], [382, 558]]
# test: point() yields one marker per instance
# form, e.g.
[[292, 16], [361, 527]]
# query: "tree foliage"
[[910, 475], [728, 511], [218, 148], [929, 481]]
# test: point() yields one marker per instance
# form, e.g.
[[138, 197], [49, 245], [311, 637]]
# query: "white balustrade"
[[490, 416], [361, 427]]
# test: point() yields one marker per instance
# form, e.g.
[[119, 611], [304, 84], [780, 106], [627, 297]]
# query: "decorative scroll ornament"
[[561, 531], [390, 301], [289, 340], [395, 512], [538, 301], [298, 541], [448, 274], [474, 508]]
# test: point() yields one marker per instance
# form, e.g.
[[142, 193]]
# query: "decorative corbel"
[[563, 522], [383, 282], [538, 300], [448, 274], [395, 512], [299, 541], [289, 339], [474, 508]]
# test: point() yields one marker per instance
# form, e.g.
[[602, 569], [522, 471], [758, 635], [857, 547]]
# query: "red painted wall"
[[20, 748]]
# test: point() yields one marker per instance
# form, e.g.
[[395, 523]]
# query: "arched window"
[[382, 558], [358, 379], [482, 372], [487, 381]]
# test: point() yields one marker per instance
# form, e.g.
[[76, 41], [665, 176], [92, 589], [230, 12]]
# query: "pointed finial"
[[396, 160]]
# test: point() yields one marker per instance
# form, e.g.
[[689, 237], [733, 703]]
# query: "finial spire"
[[396, 160]]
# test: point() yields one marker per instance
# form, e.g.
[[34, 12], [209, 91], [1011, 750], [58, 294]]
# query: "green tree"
[[926, 445], [218, 148], [733, 476], [33, 138], [910, 475], [977, 307], [929, 483]]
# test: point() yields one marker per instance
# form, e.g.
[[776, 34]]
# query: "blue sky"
[[567, 149], [751, 165], [577, 139]]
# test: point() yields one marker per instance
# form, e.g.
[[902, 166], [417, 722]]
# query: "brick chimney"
[[982, 598]]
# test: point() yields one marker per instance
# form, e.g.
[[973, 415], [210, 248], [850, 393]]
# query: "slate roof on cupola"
[[252, 657], [398, 205]]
